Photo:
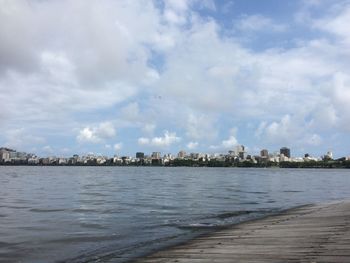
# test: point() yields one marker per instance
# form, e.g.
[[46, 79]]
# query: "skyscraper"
[[155, 155], [285, 151], [140, 155], [264, 153]]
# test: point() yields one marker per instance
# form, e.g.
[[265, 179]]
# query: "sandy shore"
[[318, 233]]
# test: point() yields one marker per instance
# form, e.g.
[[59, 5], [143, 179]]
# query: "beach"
[[312, 233]]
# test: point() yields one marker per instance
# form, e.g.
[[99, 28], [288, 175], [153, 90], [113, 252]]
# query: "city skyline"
[[239, 151], [163, 76], [238, 157]]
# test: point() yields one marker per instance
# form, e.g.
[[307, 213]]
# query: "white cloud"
[[175, 11], [87, 135], [143, 141], [131, 111], [208, 4], [60, 71], [168, 139], [92, 59], [258, 23], [289, 130], [314, 140], [21, 138], [200, 127], [192, 145], [230, 142], [341, 101], [48, 149], [97, 134], [337, 23], [118, 146], [149, 128], [178, 5]]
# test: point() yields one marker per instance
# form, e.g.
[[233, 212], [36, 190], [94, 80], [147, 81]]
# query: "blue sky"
[[116, 77]]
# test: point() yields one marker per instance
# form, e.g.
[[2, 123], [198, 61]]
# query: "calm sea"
[[111, 214]]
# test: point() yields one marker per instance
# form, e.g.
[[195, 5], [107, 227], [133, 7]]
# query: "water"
[[110, 214]]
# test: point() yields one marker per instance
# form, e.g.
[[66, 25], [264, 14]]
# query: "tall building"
[[4, 155], [264, 153], [285, 151], [240, 151], [155, 155], [329, 154], [140, 155], [181, 154]]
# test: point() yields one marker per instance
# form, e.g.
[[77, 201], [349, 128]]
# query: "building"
[[240, 151], [194, 156], [181, 154], [155, 155], [264, 153], [140, 155], [329, 155], [231, 153], [4, 155], [285, 151]]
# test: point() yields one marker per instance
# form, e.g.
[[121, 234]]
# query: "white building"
[[4, 155]]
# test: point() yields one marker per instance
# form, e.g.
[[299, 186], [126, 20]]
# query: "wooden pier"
[[312, 234]]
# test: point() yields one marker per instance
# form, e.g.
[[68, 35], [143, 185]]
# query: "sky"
[[117, 77]]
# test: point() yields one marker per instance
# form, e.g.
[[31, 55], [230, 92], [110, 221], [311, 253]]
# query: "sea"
[[116, 214]]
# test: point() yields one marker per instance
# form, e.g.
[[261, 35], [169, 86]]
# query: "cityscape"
[[238, 157]]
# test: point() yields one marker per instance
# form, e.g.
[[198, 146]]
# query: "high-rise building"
[[240, 151], [194, 155], [156, 155], [6, 154], [285, 151], [329, 154], [140, 155], [264, 153], [181, 154]]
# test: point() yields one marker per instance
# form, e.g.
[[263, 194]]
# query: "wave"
[[46, 210], [234, 213]]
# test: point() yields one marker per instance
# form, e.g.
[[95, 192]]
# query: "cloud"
[[131, 111], [97, 134], [257, 23], [192, 145], [200, 127], [143, 61], [149, 128], [341, 102], [314, 140], [228, 143], [93, 59], [118, 146], [289, 130], [21, 138], [48, 149], [336, 23], [143, 141], [168, 139]]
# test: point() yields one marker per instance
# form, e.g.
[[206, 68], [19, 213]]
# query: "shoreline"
[[184, 166], [308, 233]]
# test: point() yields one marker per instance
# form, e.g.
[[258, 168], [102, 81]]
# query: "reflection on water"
[[79, 214]]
